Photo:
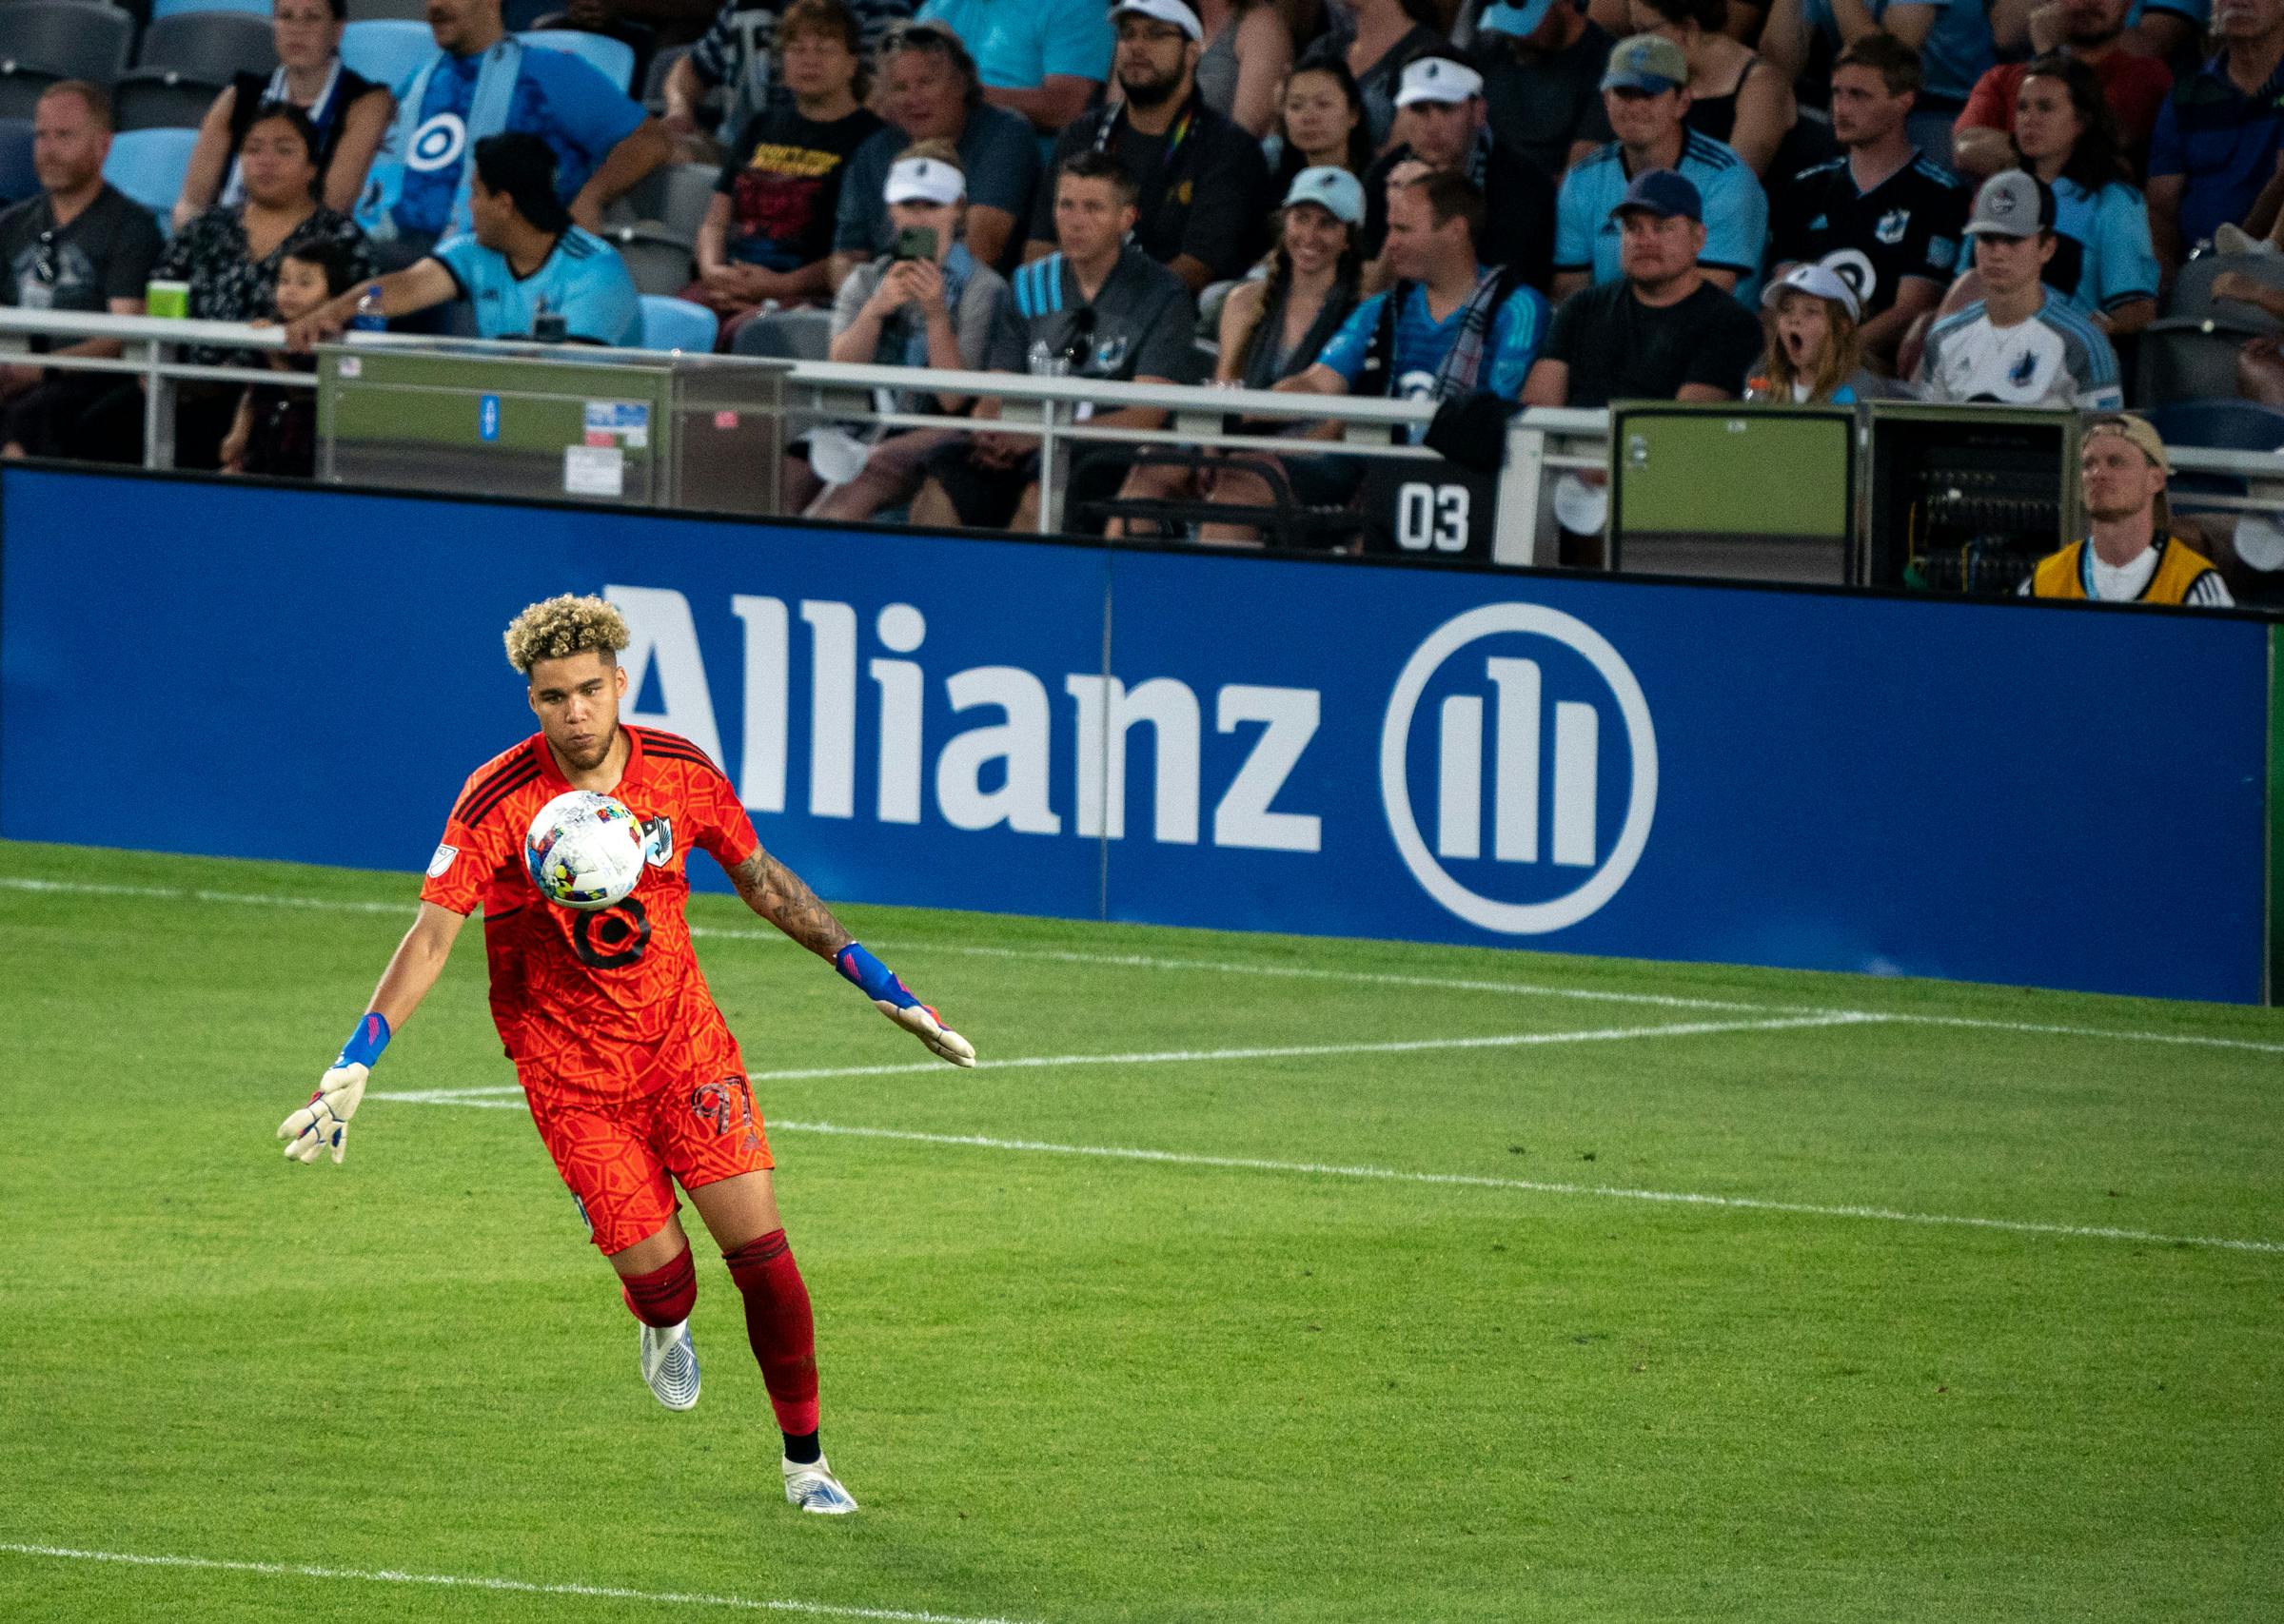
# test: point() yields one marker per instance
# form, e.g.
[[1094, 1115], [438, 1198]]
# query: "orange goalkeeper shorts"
[[623, 1157]]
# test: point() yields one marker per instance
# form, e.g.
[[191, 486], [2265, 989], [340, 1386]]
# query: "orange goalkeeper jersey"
[[573, 992]]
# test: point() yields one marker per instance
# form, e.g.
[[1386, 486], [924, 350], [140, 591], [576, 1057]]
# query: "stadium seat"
[[47, 40], [211, 46], [675, 197], [387, 50], [162, 9], [2182, 359], [657, 263], [2193, 297], [147, 166], [677, 323], [789, 335], [17, 181], [161, 98], [2222, 424], [612, 59]]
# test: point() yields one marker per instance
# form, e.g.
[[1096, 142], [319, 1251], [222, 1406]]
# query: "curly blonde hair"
[[555, 628]]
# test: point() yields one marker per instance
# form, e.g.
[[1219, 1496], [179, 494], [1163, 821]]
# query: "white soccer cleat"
[[670, 1364], [814, 1488]]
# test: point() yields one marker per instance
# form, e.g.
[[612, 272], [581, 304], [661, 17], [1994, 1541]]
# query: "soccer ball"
[[584, 851]]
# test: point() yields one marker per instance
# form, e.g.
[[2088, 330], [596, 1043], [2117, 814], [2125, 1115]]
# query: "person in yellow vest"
[[2130, 555]]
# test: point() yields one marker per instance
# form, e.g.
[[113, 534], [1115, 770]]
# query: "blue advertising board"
[[1978, 790]]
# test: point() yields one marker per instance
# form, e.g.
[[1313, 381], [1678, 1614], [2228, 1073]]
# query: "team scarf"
[[1462, 369], [487, 115]]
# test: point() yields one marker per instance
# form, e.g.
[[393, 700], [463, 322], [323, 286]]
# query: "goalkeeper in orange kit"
[[633, 1078]]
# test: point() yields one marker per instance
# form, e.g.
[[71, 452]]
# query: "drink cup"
[[170, 299]]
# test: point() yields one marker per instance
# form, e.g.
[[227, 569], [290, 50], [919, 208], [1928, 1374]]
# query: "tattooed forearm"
[[777, 893]]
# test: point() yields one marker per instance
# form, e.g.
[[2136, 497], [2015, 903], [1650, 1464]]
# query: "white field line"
[[519, 1587], [1216, 967], [1212, 1056]]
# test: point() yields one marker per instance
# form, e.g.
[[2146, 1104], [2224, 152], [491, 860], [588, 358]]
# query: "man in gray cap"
[[1645, 93], [2129, 555], [2021, 343]]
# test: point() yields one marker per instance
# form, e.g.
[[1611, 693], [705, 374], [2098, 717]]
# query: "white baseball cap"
[[1437, 79], [1165, 12], [1811, 276], [924, 180], [1334, 190]]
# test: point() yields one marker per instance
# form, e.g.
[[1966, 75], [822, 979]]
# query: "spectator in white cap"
[[1273, 326], [1645, 93], [2021, 343], [1815, 353], [1200, 180], [2130, 554], [1440, 124], [927, 302], [1378, 37]]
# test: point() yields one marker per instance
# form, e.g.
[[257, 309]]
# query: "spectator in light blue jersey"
[[1952, 38], [2066, 134], [1646, 94], [482, 80], [1044, 59], [525, 268]]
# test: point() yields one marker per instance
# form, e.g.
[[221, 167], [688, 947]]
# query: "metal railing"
[[1541, 441]]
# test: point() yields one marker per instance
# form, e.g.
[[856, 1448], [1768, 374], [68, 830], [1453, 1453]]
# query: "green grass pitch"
[[1246, 1381]]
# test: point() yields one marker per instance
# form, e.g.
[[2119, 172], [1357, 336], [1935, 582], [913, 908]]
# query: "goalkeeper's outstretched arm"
[[323, 1124], [779, 896]]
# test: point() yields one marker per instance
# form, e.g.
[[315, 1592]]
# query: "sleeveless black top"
[[1266, 364], [1717, 115], [253, 90]]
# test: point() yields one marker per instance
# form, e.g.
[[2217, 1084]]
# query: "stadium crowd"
[[1539, 201]]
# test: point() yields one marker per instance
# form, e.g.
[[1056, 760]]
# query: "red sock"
[[778, 1323], [664, 1296]]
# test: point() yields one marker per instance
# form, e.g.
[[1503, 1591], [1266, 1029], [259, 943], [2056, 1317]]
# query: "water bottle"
[[368, 317]]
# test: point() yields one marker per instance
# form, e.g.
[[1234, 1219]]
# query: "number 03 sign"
[[1430, 509]]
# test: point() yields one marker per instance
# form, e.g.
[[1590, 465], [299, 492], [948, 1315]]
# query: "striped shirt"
[[1586, 232], [2057, 357]]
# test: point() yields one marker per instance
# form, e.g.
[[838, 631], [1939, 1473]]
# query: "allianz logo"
[[1518, 768], [1011, 753]]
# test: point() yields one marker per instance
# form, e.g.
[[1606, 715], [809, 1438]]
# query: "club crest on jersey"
[[1892, 226], [2022, 371], [658, 841], [441, 862]]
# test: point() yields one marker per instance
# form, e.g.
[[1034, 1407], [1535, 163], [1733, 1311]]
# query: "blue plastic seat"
[[2220, 424], [677, 323], [17, 178], [614, 59], [387, 50], [147, 166], [160, 9]]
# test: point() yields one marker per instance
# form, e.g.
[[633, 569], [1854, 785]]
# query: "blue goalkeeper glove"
[[890, 996], [323, 1125]]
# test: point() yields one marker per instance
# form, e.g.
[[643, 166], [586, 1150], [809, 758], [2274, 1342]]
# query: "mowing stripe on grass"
[[470, 1581], [1185, 1056], [1537, 1186], [488, 1099], [1217, 966]]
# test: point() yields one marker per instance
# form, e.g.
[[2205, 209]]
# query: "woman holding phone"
[[927, 302]]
